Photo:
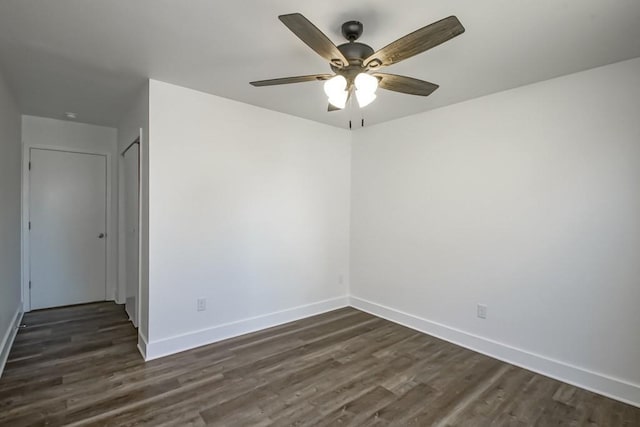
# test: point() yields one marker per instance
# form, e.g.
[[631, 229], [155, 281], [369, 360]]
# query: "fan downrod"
[[352, 30]]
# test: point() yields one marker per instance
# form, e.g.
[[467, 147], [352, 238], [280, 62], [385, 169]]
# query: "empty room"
[[281, 213]]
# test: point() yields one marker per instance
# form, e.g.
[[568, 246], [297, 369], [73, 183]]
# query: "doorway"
[[67, 227], [131, 211]]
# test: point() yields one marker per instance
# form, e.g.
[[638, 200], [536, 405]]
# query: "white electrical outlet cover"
[[482, 311]]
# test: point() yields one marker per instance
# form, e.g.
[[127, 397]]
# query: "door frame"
[[26, 215], [122, 242]]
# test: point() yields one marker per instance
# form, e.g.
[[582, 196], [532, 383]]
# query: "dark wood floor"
[[80, 366]]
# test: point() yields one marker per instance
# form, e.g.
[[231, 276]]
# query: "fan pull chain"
[[361, 123]]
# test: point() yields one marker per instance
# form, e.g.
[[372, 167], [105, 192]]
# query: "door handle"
[[101, 235]]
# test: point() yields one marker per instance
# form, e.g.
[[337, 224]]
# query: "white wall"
[[249, 209], [133, 120], [527, 201], [61, 134], [10, 160]]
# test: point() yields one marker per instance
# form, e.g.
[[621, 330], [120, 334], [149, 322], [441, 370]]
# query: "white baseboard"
[[598, 383], [9, 336], [142, 345], [167, 346]]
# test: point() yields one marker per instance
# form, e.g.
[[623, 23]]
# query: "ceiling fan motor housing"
[[355, 53]]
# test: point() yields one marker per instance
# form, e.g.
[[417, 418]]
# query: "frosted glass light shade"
[[366, 86], [335, 89], [366, 83], [365, 98]]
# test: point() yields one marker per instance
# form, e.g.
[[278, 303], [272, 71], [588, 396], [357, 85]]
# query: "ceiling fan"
[[355, 64]]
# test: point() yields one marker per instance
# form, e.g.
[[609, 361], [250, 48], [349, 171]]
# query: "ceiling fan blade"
[[416, 42], [296, 79], [314, 38], [405, 84], [332, 107]]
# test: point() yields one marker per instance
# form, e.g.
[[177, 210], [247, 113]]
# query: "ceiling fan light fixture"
[[339, 101], [366, 83], [336, 90], [366, 86], [365, 98], [357, 59]]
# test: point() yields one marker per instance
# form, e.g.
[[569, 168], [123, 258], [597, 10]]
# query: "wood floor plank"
[[79, 365]]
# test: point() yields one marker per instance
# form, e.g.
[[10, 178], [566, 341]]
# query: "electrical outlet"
[[482, 311], [202, 304]]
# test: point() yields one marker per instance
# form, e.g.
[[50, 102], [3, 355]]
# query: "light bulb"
[[335, 89], [366, 86]]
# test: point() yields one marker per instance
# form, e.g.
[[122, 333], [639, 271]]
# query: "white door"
[[67, 214], [131, 185]]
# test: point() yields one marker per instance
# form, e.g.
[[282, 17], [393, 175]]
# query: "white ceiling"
[[90, 57]]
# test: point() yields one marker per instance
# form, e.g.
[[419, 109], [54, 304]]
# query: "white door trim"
[[121, 215], [26, 252]]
